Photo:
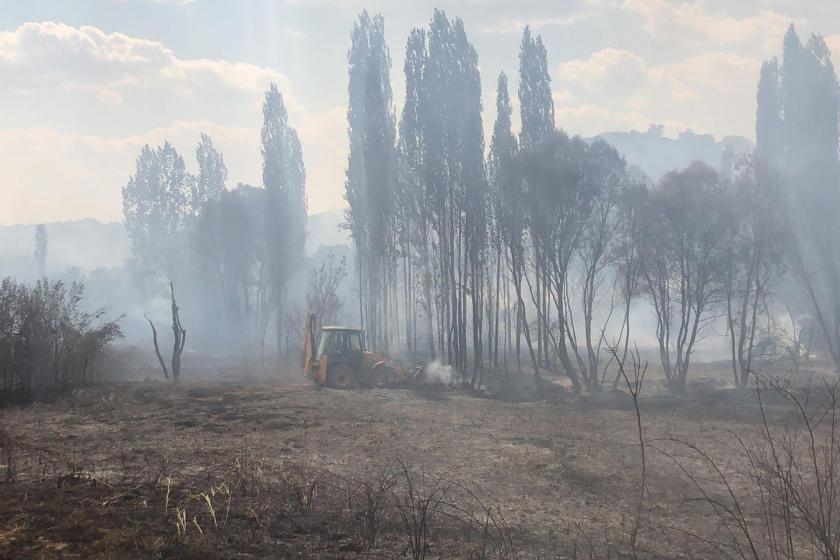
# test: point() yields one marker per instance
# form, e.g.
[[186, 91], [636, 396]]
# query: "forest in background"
[[531, 250]]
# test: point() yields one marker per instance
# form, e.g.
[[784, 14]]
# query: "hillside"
[[656, 154]]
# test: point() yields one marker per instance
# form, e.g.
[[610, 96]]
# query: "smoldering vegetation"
[[556, 297]]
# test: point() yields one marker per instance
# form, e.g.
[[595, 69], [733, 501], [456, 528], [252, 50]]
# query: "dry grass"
[[279, 469]]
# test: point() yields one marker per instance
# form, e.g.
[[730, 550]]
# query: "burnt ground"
[[268, 468]]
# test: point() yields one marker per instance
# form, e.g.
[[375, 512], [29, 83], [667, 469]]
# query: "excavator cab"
[[341, 345], [337, 358]]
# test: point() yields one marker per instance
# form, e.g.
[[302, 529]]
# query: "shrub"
[[47, 342]]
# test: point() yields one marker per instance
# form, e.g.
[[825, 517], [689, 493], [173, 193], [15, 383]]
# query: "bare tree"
[[682, 245], [753, 259], [635, 382], [157, 349], [606, 170], [179, 339]]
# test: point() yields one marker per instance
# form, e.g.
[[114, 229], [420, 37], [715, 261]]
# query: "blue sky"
[[84, 84]]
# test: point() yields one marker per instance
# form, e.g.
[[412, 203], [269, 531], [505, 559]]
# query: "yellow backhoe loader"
[[336, 357]]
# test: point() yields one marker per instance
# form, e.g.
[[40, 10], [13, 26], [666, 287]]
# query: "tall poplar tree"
[[769, 139], [536, 108], [413, 203], [809, 93], [455, 182], [535, 102], [284, 180], [371, 168]]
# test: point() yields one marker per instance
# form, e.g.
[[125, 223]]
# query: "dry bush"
[[248, 473], [368, 504], [46, 341], [418, 500], [301, 486], [156, 467], [485, 520]]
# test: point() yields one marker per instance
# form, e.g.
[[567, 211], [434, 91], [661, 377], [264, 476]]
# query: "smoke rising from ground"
[[436, 372]]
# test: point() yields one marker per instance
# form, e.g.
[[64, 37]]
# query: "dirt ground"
[[243, 467]]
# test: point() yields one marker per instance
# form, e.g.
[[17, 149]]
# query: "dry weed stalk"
[[489, 523], [373, 496], [168, 488], [209, 503], [303, 489], [418, 504], [635, 382], [181, 521], [790, 503]]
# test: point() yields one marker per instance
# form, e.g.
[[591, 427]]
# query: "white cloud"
[[606, 69], [512, 25], [58, 176], [45, 55], [141, 93], [561, 96], [692, 21], [709, 92], [49, 175], [108, 97]]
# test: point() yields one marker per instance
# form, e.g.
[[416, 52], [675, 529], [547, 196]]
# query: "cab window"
[[340, 342], [354, 341]]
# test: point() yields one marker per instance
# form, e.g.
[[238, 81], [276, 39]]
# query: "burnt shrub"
[[47, 341]]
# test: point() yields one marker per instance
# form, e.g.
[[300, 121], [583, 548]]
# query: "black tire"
[[341, 376]]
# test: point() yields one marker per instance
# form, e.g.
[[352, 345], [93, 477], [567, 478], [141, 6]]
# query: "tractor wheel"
[[340, 376], [383, 375]]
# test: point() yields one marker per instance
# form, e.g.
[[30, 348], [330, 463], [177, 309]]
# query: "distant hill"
[[86, 244], [656, 154], [324, 229]]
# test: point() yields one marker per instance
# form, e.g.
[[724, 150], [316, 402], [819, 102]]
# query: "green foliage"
[[157, 204], [46, 340]]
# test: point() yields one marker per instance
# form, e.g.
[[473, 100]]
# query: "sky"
[[84, 84]]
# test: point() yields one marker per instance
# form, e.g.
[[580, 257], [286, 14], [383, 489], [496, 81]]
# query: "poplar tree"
[[455, 181], [212, 174], [371, 170], [510, 214], [41, 241], [809, 94], [414, 225], [536, 108], [769, 140], [284, 179], [535, 101]]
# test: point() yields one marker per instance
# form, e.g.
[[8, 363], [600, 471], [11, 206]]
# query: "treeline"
[[47, 342], [533, 255], [235, 250]]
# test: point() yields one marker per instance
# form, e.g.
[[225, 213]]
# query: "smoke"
[[436, 372]]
